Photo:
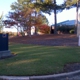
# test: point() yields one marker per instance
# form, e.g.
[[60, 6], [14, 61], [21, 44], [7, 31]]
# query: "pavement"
[[75, 75]]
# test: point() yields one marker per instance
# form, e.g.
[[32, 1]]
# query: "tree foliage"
[[71, 3], [25, 21], [24, 9], [44, 28]]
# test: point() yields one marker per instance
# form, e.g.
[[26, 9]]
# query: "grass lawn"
[[38, 60]]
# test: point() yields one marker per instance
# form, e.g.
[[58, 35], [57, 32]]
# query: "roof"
[[67, 22]]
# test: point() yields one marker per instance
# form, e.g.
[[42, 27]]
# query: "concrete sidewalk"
[[63, 76]]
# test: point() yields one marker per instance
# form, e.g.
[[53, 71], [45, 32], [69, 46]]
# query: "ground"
[[51, 40]]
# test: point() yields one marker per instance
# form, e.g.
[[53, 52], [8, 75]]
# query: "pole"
[[76, 18], [78, 23]]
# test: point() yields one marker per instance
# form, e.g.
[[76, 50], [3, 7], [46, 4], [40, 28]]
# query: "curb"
[[14, 78], [45, 77], [56, 76]]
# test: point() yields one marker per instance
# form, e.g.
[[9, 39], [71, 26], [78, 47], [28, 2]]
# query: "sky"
[[5, 5], [61, 16]]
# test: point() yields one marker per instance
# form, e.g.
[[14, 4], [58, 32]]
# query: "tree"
[[12, 20], [46, 6], [49, 6], [71, 4], [21, 20]]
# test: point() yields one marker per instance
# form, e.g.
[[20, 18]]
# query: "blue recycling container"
[[3, 42]]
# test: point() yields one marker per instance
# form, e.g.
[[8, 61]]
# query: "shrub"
[[44, 29], [71, 31], [66, 29]]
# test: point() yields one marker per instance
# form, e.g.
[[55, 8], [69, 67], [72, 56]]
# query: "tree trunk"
[[55, 19]]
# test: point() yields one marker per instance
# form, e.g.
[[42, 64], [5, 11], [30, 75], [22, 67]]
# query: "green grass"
[[38, 60]]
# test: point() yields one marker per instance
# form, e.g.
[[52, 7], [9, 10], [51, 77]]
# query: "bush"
[[44, 29], [71, 31], [66, 29]]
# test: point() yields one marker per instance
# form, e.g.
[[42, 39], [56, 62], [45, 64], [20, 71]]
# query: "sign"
[[4, 52], [3, 42]]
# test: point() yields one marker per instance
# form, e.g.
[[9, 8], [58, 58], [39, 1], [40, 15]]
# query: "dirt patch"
[[71, 67], [51, 40]]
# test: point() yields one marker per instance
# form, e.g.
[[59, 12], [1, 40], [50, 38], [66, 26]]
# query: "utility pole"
[[55, 18]]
